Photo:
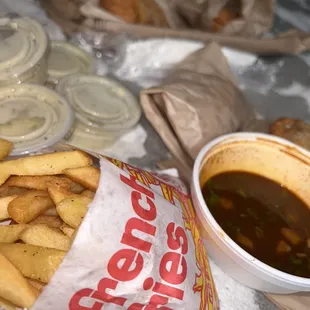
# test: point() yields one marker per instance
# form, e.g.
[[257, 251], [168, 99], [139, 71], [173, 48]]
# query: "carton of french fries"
[[82, 231]]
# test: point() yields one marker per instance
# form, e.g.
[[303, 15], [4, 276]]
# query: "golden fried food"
[[46, 164], [34, 262], [145, 12], [41, 182], [67, 230], [294, 130], [45, 207], [88, 193], [72, 210], [37, 285], [58, 192], [28, 206], [6, 305], [45, 236], [49, 220], [51, 212], [4, 205], [11, 233], [126, 10], [224, 17], [13, 286], [6, 190], [87, 176]]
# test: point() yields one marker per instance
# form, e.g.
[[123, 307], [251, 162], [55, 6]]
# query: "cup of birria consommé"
[[252, 196]]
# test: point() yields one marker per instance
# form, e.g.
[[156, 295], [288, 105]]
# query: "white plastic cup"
[[266, 155], [23, 53], [104, 109], [65, 59], [33, 117]]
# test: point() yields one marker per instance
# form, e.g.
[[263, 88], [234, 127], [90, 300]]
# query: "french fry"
[[58, 192], [50, 221], [44, 236], [28, 206], [13, 286], [6, 305], [40, 182], [5, 148], [11, 233], [51, 212], [34, 262], [88, 193], [87, 176], [36, 291], [4, 204], [6, 190], [46, 164], [72, 210], [37, 284], [67, 230], [46, 197]]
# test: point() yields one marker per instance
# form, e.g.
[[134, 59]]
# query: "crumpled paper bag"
[[199, 101], [165, 16], [248, 18], [85, 15]]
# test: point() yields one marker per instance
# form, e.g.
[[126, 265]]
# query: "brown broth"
[[264, 218]]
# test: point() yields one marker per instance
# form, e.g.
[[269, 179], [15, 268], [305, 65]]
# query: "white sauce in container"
[[65, 59], [23, 52], [33, 117], [104, 109]]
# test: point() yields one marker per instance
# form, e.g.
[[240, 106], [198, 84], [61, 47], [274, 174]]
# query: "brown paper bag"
[[247, 18], [92, 18], [69, 9], [198, 101], [143, 12]]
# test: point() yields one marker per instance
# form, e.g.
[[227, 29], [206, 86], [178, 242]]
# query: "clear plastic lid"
[[23, 47], [33, 117], [102, 105], [88, 139], [65, 59]]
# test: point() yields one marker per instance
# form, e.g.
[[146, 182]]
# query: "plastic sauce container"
[[23, 52], [33, 117], [266, 155], [65, 59], [104, 109]]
